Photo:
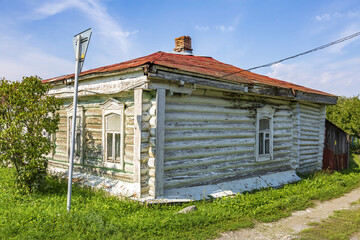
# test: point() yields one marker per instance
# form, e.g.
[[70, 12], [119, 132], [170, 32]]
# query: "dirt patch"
[[286, 228]]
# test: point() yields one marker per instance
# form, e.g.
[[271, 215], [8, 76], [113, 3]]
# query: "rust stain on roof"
[[196, 64]]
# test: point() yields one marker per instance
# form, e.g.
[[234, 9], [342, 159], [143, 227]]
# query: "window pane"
[[267, 146], [113, 122], [117, 146], [78, 123], [77, 144], [109, 145], [261, 143], [264, 124]]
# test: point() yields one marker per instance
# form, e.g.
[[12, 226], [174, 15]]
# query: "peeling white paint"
[[113, 186], [227, 188]]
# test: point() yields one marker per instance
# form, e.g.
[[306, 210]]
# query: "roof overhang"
[[180, 77]]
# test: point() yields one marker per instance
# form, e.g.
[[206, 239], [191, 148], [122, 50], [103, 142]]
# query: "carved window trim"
[[110, 107], [79, 142], [266, 112]]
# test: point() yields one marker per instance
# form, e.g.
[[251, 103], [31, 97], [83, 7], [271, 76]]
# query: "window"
[[264, 133], [113, 138], [113, 133], [78, 145], [264, 136], [78, 138], [51, 138]]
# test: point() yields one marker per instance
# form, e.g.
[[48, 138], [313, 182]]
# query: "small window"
[[113, 138], [264, 136], [264, 133], [113, 133], [51, 138]]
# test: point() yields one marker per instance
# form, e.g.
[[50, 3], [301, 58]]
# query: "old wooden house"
[[176, 125]]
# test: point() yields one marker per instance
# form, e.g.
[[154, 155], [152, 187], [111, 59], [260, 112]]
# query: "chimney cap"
[[183, 44]]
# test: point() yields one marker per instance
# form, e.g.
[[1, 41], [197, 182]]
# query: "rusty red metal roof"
[[206, 66]]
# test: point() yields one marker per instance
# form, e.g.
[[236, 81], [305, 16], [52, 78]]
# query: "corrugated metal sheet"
[[206, 66]]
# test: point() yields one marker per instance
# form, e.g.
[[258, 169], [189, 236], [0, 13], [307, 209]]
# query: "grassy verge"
[[95, 215], [341, 225]]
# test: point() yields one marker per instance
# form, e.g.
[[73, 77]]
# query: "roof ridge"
[[202, 65]]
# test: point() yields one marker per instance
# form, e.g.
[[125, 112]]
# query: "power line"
[[300, 54]]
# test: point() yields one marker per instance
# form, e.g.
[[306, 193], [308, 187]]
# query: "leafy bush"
[[27, 119], [346, 115]]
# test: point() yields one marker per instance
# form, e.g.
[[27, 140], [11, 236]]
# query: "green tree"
[[346, 115], [27, 117]]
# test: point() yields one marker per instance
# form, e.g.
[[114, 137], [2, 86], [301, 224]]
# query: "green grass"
[[341, 225], [95, 215]]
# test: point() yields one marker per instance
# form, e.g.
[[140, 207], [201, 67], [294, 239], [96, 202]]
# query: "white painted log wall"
[[211, 139], [92, 145], [312, 121]]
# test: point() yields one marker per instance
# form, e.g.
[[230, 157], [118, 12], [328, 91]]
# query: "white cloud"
[[349, 30], [105, 26], [353, 14], [221, 27], [324, 17], [18, 58], [225, 28], [337, 15], [338, 77], [29, 61], [49, 9], [202, 28]]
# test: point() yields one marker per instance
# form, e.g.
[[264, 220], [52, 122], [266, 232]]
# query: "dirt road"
[[286, 227]]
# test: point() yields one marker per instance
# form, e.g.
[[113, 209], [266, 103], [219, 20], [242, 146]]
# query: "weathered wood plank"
[[309, 142], [204, 125], [311, 104], [138, 94], [93, 112], [309, 152], [171, 116], [280, 120], [61, 135], [321, 136], [174, 155], [314, 122], [192, 79], [313, 109], [309, 127], [203, 108], [160, 142], [93, 120], [208, 143], [206, 134], [208, 161], [223, 175], [309, 148]]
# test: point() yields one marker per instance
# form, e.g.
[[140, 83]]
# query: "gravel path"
[[285, 228]]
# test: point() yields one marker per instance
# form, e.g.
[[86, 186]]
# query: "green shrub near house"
[[27, 120], [94, 215]]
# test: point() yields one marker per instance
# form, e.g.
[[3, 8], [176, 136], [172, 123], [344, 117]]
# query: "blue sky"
[[36, 36]]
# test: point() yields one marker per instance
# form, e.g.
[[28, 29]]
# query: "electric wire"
[[300, 54]]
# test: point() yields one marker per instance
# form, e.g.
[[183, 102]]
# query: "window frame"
[[110, 107], [266, 112], [80, 130]]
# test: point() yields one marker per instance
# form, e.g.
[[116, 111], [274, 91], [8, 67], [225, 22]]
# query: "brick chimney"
[[183, 44]]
